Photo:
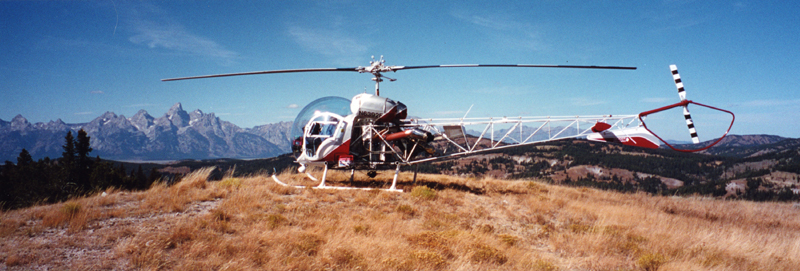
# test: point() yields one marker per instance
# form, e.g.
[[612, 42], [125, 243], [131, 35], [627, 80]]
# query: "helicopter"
[[371, 132]]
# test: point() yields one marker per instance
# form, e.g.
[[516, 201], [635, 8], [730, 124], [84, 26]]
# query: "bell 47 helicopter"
[[371, 132]]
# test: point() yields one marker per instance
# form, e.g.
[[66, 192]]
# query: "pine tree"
[[141, 179], [6, 187], [68, 158], [83, 167], [152, 178], [26, 180], [83, 146], [24, 158]]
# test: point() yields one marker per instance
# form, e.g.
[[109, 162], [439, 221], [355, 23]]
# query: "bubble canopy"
[[333, 104]]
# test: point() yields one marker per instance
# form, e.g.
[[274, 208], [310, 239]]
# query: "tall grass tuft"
[[71, 214], [482, 253], [651, 261], [192, 187], [71, 209], [230, 183], [423, 192]]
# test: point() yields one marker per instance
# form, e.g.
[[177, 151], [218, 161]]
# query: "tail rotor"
[[682, 95], [689, 123]]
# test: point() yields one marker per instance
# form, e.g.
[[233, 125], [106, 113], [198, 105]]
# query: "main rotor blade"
[[513, 65], [378, 69], [354, 69]]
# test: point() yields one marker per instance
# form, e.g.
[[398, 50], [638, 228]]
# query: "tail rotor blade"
[[678, 82], [682, 95], [690, 124]]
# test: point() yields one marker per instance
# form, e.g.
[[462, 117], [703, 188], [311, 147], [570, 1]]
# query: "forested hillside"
[[769, 172]]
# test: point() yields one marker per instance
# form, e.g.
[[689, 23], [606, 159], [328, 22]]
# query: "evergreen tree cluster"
[[755, 191], [74, 174]]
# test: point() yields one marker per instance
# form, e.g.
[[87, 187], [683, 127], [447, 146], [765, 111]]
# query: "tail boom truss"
[[524, 131]]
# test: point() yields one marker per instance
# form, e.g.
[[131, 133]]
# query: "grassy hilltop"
[[242, 223]]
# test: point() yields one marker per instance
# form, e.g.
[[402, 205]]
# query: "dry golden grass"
[[440, 222]]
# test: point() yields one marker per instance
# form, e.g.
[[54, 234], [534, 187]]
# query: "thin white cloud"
[[676, 16], [504, 30], [83, 113], [492, 21], [97, 92], [154, 29], [73, 45], [292, 106], [333, 43], [489, 22]]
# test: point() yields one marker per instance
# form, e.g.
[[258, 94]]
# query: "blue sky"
[[75, 60]]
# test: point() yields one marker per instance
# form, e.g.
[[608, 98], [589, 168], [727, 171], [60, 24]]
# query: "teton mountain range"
[[175, 135]]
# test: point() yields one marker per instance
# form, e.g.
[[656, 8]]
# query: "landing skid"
[[325, 174]]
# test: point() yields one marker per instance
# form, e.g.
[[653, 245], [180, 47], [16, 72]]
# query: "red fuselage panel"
[[343, 149]]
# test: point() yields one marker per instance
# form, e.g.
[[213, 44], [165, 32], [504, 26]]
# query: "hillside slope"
[[771, 169], [469, 224]]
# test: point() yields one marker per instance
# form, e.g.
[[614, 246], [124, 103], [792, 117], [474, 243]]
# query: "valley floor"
[[243, 223]]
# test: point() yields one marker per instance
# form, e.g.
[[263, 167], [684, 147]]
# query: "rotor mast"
[[377, 80], [375, 68]]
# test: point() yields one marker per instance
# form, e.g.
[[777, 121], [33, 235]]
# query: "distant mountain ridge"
[[276, 133], [744, 145], [175, 135], [39, 138]]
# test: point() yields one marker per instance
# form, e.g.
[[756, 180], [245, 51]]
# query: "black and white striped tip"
[[682, 95]]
